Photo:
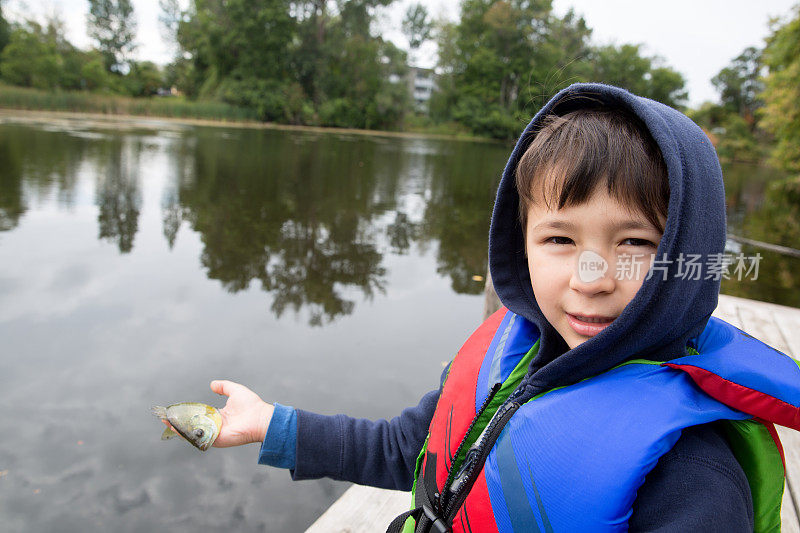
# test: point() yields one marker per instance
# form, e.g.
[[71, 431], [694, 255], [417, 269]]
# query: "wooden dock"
[[366, 509]]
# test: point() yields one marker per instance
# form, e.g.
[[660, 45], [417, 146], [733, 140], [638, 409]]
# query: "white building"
[[421, 84]]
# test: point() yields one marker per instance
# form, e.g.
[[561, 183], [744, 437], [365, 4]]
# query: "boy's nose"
[[592, 274], [604, 284]]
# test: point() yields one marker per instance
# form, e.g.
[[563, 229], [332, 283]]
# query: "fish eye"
[[199, 433]]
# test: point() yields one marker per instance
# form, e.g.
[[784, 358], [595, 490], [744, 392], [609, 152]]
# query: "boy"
[[558, 414]]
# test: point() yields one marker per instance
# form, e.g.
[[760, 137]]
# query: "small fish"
[[196, 422]]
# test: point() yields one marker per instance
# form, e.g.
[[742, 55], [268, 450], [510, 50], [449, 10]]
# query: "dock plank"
[[360, 509], [789, 523], [789, 325], [791, 450], [726, 310], [759, 322]]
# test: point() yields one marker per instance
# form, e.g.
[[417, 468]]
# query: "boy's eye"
[[638, 242], [559, 240]]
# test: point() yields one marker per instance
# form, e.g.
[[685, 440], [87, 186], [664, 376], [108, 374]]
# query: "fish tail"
[[159, 411]]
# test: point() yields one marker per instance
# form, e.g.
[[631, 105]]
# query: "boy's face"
[[586, 262]]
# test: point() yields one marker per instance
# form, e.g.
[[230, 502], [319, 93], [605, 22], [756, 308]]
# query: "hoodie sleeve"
[[377, 453], [696, 486]]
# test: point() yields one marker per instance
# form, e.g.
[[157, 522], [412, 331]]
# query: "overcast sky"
[[695, 37]]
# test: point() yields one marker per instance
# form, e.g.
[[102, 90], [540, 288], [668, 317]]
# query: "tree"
[[626, 67], [144, 79], [237, 40], [31, 59], [781, 113], [113, 25], [740, 84], [93, 73], [5, 30], [502, 60], [169, 21], [667, 86], [417, 27]]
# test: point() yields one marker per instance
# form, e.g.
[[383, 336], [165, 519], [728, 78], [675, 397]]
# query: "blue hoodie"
[[698, 485]]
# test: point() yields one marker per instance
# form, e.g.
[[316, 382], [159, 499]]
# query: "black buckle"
[[438, 523]]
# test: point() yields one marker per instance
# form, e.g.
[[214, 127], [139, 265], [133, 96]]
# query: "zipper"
[[475, 458], [472, 452], [451, 476]]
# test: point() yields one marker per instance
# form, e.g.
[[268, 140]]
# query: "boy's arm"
[[378, 453], [696, 486]]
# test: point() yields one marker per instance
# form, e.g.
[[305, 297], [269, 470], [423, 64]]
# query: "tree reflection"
[[402, 232], [458, 213], [45, 160], [774, 218], [11, 203], [118, 197], [171, 218], [294, 213]]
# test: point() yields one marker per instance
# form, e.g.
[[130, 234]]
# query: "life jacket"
[[572, 458]]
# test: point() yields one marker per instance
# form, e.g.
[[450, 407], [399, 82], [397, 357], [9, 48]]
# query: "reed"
[[85, 102]]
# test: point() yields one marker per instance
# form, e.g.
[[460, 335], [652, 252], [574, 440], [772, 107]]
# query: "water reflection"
[[767, 209], [42, 162], [307, 216], [310, 216], [118, 196], [274, 209], [765, 206]]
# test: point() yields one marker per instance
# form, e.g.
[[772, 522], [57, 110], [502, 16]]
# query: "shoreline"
[[150, 120]]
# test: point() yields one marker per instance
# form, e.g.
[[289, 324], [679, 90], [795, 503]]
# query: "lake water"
[[141, 259]]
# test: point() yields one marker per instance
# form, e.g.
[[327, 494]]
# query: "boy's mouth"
[[588, 325]]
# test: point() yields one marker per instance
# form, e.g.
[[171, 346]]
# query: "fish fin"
[[168, 434], [159, 411]]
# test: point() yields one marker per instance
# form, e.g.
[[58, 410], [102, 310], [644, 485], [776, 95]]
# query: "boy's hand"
[[245, 417]]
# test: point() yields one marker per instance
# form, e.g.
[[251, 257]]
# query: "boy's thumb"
[[221, 386]]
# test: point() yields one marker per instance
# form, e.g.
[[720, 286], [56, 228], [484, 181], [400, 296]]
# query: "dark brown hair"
[[574, 154]]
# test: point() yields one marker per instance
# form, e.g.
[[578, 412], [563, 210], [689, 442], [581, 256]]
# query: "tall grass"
[[84, 102]]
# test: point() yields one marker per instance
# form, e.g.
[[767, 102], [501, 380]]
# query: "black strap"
[[397, 524], [426, 519]]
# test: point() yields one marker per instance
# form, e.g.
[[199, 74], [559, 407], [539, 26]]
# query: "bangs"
[[572, 155]]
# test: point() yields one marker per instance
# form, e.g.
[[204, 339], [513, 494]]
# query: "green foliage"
[[82, 101], [93, 72], [237, 39], [340, 112], [144, 79], [505, 58], [492, 121], [740, 84], [733, 122], [416, 26], [41, 57], [266, 97], [781, 113], [320, 62], [31, 59], [5, 30], [309, 68], [625, 67], [737, 142], [112, 24]]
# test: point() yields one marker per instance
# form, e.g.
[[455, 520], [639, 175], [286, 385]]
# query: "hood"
[[664, 314]]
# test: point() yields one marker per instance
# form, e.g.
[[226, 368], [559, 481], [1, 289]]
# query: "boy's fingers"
[[222, 386]]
